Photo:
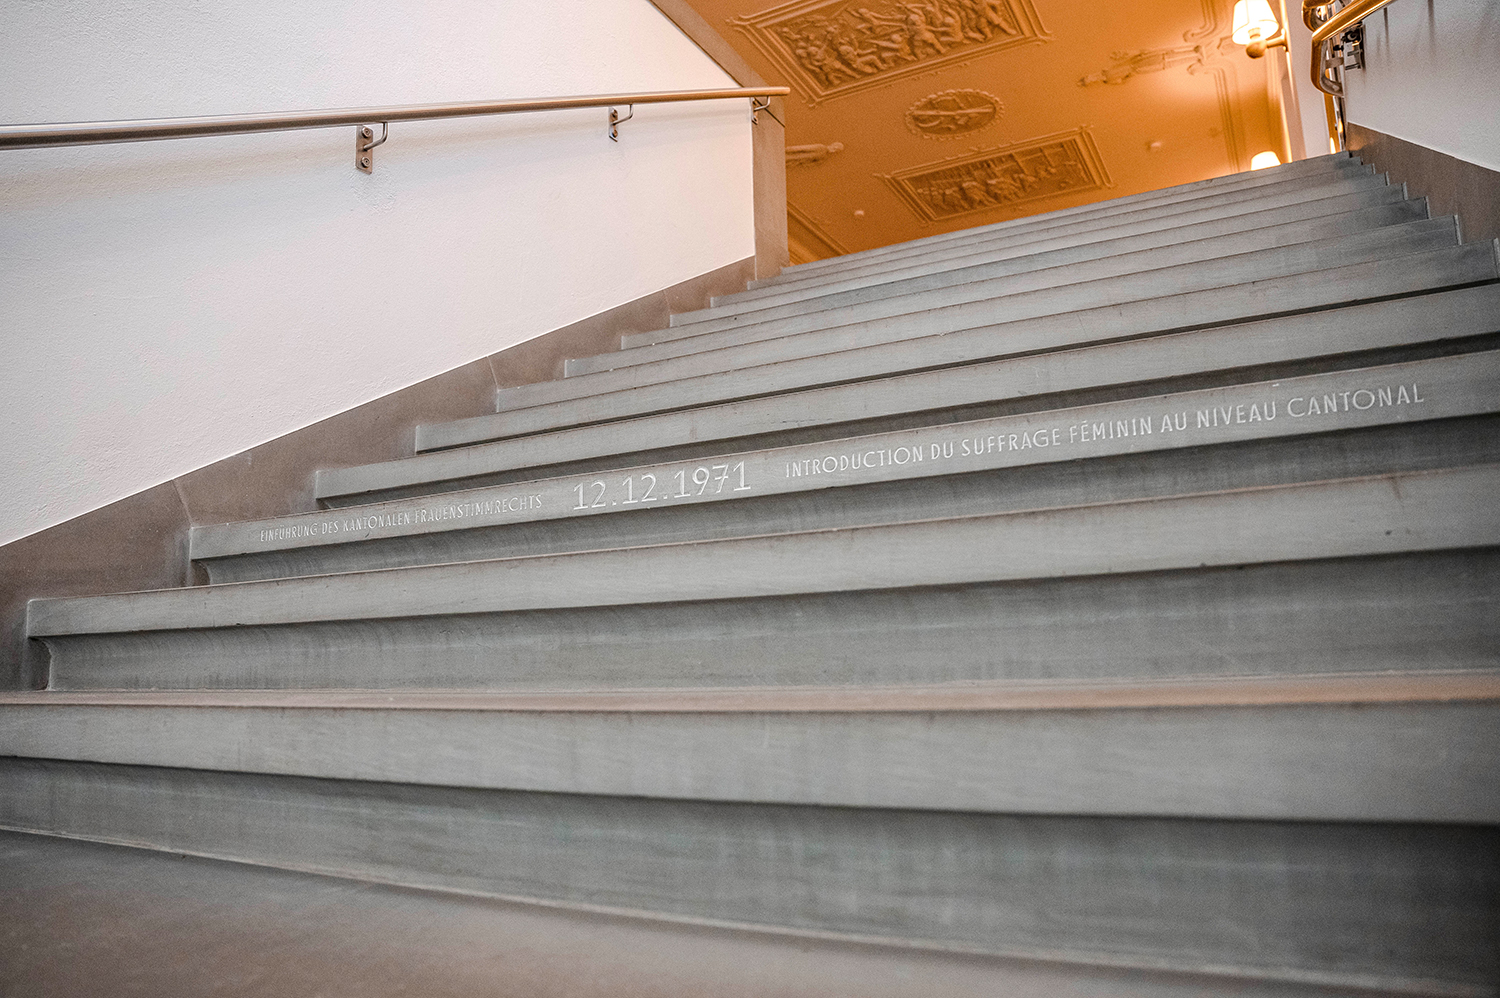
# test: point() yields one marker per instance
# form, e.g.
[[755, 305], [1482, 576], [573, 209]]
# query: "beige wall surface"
[[167, 304], [1432, 77]]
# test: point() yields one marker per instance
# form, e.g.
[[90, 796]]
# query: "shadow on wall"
[[1452, 186]]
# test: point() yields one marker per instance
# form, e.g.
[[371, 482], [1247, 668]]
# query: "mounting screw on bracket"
[[364, 155]]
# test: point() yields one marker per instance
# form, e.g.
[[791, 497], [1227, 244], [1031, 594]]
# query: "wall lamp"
[[1256, 27]]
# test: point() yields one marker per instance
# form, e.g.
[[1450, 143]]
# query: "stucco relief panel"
[[1006, 177], [830, 48], [952, 113]]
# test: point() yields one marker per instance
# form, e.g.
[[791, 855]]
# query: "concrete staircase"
[[1114, 588]]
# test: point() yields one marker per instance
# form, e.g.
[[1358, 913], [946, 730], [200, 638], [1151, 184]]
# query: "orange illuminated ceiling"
[[908, 119]]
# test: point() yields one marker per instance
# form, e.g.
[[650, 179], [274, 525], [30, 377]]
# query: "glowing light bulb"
[[1253, 19], [1261, 160]]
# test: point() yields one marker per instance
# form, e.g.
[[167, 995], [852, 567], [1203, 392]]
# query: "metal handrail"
[[1325, 30], [143, 130]]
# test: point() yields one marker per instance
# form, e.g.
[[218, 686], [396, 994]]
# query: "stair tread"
[[1222, 190], [1377, 761], [1429, 246], [975, 695], [1344, 210], [1241, 251], [966, 334]]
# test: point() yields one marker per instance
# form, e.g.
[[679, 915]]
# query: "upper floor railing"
[[142, 130]]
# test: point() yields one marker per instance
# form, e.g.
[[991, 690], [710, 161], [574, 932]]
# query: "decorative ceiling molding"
[[1226, 82], [1210, 26], [832, 48], [1005, 177], [815, 152], [1211, 55], [1142, 61], [951, 113]]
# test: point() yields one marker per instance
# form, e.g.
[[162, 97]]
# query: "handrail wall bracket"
[[615, 121], [364, 149]]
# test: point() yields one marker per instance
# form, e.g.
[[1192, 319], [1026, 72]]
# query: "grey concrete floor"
[[84, 919]]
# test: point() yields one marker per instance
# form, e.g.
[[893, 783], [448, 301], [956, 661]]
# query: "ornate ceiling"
[[912, 118]]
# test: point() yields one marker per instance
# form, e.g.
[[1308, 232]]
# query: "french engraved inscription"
[[1312, 404], [939, 446]]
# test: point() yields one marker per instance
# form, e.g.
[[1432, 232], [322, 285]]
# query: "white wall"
[[166, 304], [1432, 76], [1306, 113]]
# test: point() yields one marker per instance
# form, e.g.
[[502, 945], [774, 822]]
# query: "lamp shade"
[[1256, 15], [1261, 160]]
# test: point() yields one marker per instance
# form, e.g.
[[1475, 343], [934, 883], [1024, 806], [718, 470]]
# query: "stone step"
[[1425, 248], [1226, 186], [501, 621], [1225, 747], [1309, 199], [1394, 907], [1378, 205], [989, 281], [1409, 614], [1291, 195], [1003, 299], [303, 930], [1288, 345], [565, 429], [1169, 443], [1091, 230]]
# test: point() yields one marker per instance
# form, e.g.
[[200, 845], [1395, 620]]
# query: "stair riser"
[[1268, 228], [1372, 904], [1408, 613], [948, 310], [1411, 760], [651, 501], [1284, 340], [1240, 248], [1273, 204], [1099, 213]]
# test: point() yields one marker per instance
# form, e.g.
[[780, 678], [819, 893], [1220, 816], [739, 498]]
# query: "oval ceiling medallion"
[[952, 112]]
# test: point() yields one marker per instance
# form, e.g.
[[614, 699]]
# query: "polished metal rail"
[[1327, 27], [97, 132]]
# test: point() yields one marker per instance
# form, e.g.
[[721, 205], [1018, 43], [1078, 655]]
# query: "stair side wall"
[[1451, 185], [140, 542]]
